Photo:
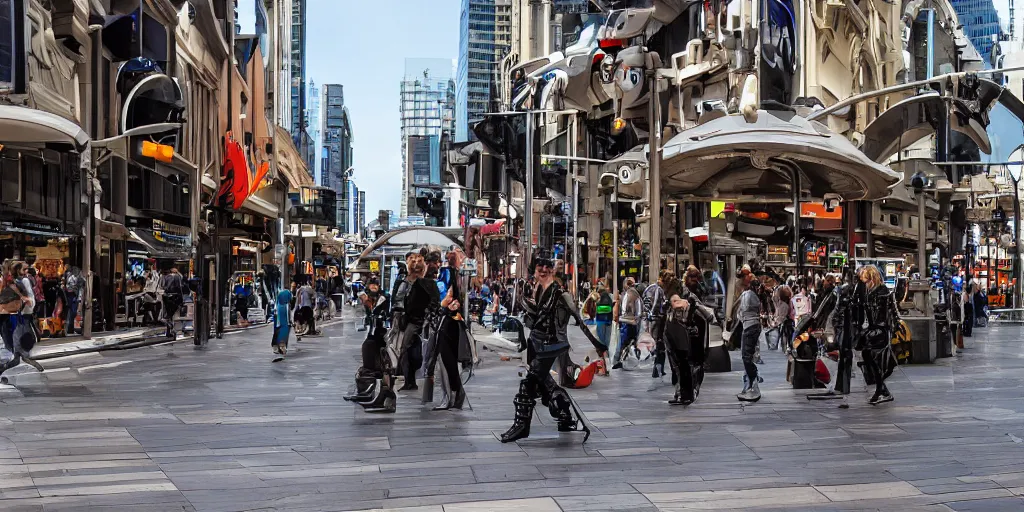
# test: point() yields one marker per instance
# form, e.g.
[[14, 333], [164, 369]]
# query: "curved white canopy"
[[29, 125], [729, 158], [411, 237]]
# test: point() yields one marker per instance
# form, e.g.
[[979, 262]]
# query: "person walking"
[[305, 306], [781, 327], [749, 319], [16, 326], [422, 293], [451, 332], [876, 317], [282, 325], [627, 315], [172, 286], [548, 312], [603, 314]]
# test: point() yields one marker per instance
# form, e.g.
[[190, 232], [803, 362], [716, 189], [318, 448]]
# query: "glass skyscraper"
[[427, 113], [485, 35], [297, 67], [313, 129], [981, 24], [337, 150]]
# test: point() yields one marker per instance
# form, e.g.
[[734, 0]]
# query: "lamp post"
[[1015, 170]]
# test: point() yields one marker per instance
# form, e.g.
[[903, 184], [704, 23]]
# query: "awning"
[[902, 125], [261, 206], [111, 230], [900, 198], [730, 159], [33, 126], [158, 249]]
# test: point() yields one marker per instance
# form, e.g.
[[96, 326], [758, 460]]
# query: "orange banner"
[[817, 211]]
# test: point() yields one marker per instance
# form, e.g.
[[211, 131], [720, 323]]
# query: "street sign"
[[374, 266]]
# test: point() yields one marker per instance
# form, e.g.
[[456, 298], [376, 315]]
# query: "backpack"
[[604, 304]]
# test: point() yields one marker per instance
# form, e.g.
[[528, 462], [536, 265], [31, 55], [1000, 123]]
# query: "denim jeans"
[[604, 332], [627, 334], [748, 343]]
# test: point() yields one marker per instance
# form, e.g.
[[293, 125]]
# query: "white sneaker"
[[660, 382], [752, 394]]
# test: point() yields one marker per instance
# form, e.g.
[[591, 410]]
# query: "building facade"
[[427, 112], [298, 70], [485, 29], [337, 150]]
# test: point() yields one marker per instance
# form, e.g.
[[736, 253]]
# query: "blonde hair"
[[872, 273]]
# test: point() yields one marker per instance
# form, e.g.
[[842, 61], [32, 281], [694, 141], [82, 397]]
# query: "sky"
[[362, 44]]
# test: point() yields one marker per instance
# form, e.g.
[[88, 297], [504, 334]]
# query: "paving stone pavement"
[[223, 429]]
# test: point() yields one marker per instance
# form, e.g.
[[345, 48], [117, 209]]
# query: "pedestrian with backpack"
[[173, 288], [603, 314]]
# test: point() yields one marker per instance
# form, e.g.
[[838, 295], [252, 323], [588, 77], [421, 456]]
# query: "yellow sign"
[[717, 209], [606, 238], [374, 266]]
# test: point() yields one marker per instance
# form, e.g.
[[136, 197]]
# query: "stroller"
[[324, 307], [811, 348]]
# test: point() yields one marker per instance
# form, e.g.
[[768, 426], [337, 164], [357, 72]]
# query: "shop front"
[[41, 213]]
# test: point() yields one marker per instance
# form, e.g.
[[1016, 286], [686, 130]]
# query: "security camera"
[[832, 201], [919, 181], [629, 174]]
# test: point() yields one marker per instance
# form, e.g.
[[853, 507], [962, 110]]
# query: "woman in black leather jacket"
[[685, 322], [548, 311], [874, 341]]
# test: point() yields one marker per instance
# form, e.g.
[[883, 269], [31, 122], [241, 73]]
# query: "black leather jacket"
[[873, 313], [548, 315]]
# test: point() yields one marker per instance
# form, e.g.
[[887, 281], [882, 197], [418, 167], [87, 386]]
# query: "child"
[[282, 327]]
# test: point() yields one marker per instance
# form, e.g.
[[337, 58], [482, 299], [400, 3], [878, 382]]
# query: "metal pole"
[[655, 170], [615, 239], [677, 213], [1016, 248], [575, 209], [90, 241], [922, 234], [796, 224], [527, 249]]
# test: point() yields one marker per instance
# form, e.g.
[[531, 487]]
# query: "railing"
[[1006, 316]]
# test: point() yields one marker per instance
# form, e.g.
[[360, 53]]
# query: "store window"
[[8, 43]]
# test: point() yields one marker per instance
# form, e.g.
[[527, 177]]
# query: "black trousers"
[[448, 348], [538, 383], [968, 325], [871, 362], [411, 358]]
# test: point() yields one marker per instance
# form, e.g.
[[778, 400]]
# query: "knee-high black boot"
[[561, 410], [524, 403], [366, 385], [673, 361]]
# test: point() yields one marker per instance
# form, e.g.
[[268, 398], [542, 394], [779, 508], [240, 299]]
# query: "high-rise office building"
[[427, 112], [485, 31], [361, 211], [337, 150], [981, 24], [354, 225], [314, 130], [298, 71]]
